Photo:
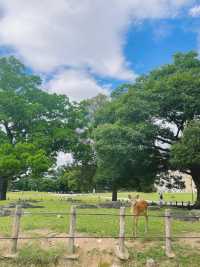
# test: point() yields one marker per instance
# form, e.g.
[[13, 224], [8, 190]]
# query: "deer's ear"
[[129, 196]]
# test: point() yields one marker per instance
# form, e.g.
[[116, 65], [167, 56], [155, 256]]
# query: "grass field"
[[103, 225], [95, 197]]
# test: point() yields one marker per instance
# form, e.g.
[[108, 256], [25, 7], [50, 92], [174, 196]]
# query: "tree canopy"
[[157, 108], [42, 123], [144, 130]]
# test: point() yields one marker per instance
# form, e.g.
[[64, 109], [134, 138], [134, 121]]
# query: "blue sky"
[[151, 44], [82, 48], [154, 42]]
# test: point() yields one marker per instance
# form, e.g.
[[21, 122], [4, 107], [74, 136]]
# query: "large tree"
[[29, 115], [185, 154], [164, 102], [20, 160], [173, 91], [125, 157]]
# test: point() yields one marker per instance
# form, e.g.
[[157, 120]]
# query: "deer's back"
[[140, 207]]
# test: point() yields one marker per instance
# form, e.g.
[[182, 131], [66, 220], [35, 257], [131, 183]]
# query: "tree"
[[185, 154], [123, 160], [92, 105], [80, 175], [168, 98], [163, 103], [174, 92], [31, 116], [21, 159]]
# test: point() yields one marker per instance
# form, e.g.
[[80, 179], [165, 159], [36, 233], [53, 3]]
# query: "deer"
[[138, 207]]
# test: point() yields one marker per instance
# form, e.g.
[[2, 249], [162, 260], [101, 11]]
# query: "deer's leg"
[[133, 229], [136, 225], [146, 222]]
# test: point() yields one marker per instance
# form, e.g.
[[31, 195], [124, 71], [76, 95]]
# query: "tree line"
[[129, 140]]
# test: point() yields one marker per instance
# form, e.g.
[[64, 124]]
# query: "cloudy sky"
[[85, 47]]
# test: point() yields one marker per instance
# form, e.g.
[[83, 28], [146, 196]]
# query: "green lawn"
[[96, 224], [92, 224], [102, 196], [148, 196]]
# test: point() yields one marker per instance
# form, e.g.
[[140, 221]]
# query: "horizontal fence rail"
[[98, 237], [113, 215]]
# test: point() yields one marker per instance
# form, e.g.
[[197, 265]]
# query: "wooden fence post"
[[15, 228], [168, 245], [121, 250], [72, 229], [151, 263]]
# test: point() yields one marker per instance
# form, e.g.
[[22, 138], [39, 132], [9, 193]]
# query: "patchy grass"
[[184, 256], [34, 255]]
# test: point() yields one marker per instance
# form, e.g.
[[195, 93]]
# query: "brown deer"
[[139, 207]]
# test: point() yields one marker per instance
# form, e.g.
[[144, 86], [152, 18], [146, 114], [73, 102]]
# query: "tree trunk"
[[114, 193], [197, 203], [3, 188], [196, 178]]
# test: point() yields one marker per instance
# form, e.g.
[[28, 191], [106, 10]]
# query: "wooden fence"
[[120, 250]]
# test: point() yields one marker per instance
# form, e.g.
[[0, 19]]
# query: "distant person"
[[161, 198]]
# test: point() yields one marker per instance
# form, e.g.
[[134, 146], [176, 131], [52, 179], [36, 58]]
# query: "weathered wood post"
[[151, 263], [15, 228], [121, 250], [168, 245], [72, 229]]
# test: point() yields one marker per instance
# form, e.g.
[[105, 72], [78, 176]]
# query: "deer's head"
[[133, 199]]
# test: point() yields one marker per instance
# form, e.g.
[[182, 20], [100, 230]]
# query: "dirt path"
[[93, 252]]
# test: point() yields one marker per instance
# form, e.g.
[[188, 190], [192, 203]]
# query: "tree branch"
[[164, 140], [161, 148], [186, 172]]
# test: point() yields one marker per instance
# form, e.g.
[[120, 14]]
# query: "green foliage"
[[22, 158], [35, 125], [125, 153], [91, 106], [32, 115], [78, 178], [146, 120], [185, 154], [14, 76], [143, 130]]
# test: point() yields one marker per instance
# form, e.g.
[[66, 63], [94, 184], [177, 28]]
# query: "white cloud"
[[76, 33], [49, 35], [195, 11], [77, 84]]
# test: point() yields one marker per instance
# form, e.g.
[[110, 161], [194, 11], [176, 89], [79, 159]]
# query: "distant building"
[[186, 178], [189, 183]]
